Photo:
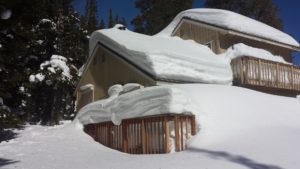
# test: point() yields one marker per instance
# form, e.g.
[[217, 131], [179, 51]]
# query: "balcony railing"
[[249, 71], [145, 135]]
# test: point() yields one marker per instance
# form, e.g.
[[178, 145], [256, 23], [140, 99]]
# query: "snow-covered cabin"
[[196, 47]]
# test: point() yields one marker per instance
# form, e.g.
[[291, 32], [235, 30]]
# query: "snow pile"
[[240, 50], [166, 58], [132, 100], [57, 63], [231, 21], [240, 129], [39, 77]]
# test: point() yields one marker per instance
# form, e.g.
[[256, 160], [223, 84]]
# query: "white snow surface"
[[166, 57], [240, 129], [232, 21], [241, 50], [132, 100]]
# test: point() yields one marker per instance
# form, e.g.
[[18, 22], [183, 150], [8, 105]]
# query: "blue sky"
[[289, 12]]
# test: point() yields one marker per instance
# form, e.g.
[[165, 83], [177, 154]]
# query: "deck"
[[266, 76], [145, 135]]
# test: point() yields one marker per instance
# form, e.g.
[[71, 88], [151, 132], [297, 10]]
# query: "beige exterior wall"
[[204, 34], [107, 69]]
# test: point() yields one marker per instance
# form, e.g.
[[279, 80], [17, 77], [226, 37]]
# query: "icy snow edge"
[[232, 21]]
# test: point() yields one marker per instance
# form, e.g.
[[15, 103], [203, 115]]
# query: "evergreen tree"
[[110, 19], [90, 22], [156, 14], [116, 19], [262, 10], [123, 22], [37, 30], [102, 24]]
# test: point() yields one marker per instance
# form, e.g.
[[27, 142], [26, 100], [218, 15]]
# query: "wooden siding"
[[107, 69], [222, 40], [145, 135], [249, 71], [200, 34]]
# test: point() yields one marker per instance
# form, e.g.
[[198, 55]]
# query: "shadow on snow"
[[251, 164]]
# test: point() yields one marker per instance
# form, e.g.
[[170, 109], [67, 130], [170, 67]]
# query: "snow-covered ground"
[[240, 129]]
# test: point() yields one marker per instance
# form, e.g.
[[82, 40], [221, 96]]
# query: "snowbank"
[[166, 58], [240, 50], [231, 21], [132, 100], [240, 129]]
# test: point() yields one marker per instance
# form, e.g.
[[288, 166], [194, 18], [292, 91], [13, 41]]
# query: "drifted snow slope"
[[240, 129]]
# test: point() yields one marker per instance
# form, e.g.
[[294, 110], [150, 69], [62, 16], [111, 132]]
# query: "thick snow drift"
[[241, 50], [166, 58], [138, 103], [231, 21], [240, 129]]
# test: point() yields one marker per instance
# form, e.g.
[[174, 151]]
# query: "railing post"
[[181, 132], [277, 75], [167, 135], [125, 138], [193, 125], [241, 70], [292, 78], [259, 72], [144, 137], [177, 144]]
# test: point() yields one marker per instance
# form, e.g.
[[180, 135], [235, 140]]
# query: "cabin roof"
[[169, 58], [231, 21]]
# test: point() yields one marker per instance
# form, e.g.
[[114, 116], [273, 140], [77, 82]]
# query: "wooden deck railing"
[[259, 72], [146, 135]]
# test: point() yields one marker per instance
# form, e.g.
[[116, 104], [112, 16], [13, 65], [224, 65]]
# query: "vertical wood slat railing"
[[259, 72], [146, 135]]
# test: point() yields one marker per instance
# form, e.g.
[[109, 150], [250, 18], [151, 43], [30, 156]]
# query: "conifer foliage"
[[156, 14], [262, 10], [31, 39]]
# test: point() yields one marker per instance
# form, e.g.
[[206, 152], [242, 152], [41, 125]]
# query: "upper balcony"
[[266, 76]]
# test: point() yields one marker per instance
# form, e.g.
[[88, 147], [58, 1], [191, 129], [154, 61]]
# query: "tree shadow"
[[4, 162], [251, 164], [8, 134]]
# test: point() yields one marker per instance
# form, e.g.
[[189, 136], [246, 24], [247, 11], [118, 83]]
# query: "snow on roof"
[[241, 50], [232, 21], [166, 57]]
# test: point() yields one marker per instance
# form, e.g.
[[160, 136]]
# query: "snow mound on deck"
[[124, 104], [241, 50], [166, 58], [232, 21]]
